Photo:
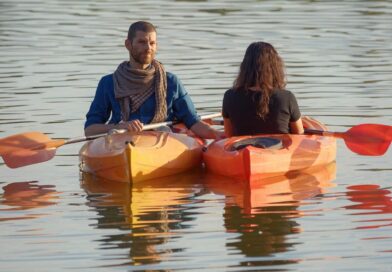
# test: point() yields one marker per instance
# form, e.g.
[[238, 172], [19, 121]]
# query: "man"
[[140, 91]]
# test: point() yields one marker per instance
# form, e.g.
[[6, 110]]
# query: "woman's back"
[[241, 108]]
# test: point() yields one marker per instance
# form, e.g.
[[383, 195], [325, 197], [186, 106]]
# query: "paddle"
[[363, 139], [35, 147]]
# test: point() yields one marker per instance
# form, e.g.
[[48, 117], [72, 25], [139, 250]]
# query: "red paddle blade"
[[369, 139], [24, 149]]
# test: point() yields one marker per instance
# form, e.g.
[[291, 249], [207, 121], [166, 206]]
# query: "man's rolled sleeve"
[[183, 107]]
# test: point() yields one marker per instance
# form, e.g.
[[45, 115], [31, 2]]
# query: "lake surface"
[[339, 65]]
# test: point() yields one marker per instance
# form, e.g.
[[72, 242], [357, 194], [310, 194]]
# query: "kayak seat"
[[259, 142]]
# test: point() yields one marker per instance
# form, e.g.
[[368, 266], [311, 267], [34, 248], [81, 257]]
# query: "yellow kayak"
[[129, 157]]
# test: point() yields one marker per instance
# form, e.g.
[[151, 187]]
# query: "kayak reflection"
[[25, 195], [264, 212], [149, 212], [285, 190]]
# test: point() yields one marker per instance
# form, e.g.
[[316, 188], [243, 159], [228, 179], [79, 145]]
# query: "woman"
[[258, 102]]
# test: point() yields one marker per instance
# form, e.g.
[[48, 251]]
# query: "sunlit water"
[[339, 65]]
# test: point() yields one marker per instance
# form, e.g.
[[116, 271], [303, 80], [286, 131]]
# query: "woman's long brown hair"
[[263, 69]]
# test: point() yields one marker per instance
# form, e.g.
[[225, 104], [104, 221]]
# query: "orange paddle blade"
[[26, 148], [369, 139], [27, 157]]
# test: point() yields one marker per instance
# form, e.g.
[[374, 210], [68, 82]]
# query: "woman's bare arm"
[[297, 127]]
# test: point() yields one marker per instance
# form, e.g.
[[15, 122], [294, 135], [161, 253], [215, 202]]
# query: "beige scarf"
[[132, 87]]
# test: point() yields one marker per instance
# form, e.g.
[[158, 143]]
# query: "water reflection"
[[264, 212], [148, 213], [26, 195]]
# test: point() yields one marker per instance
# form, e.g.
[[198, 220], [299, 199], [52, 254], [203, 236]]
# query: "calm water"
[[339, 65]]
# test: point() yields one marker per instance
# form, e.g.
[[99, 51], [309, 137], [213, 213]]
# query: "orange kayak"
[[138, 157], [256, 157]]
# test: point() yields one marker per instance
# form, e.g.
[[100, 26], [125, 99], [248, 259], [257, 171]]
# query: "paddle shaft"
[[325, 133], [57, 143]]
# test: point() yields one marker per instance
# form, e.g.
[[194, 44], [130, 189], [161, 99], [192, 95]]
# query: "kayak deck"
[[137, 157], [297, 152]]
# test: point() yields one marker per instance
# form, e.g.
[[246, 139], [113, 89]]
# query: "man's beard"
[[142, 58]]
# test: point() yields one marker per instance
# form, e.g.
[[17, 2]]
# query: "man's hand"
[[133, 126], [95, 129]]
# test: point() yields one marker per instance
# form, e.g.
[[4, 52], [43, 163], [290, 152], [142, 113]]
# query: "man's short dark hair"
[[140, 26]]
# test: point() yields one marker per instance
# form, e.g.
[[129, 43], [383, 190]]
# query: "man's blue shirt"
[[105, 106]]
